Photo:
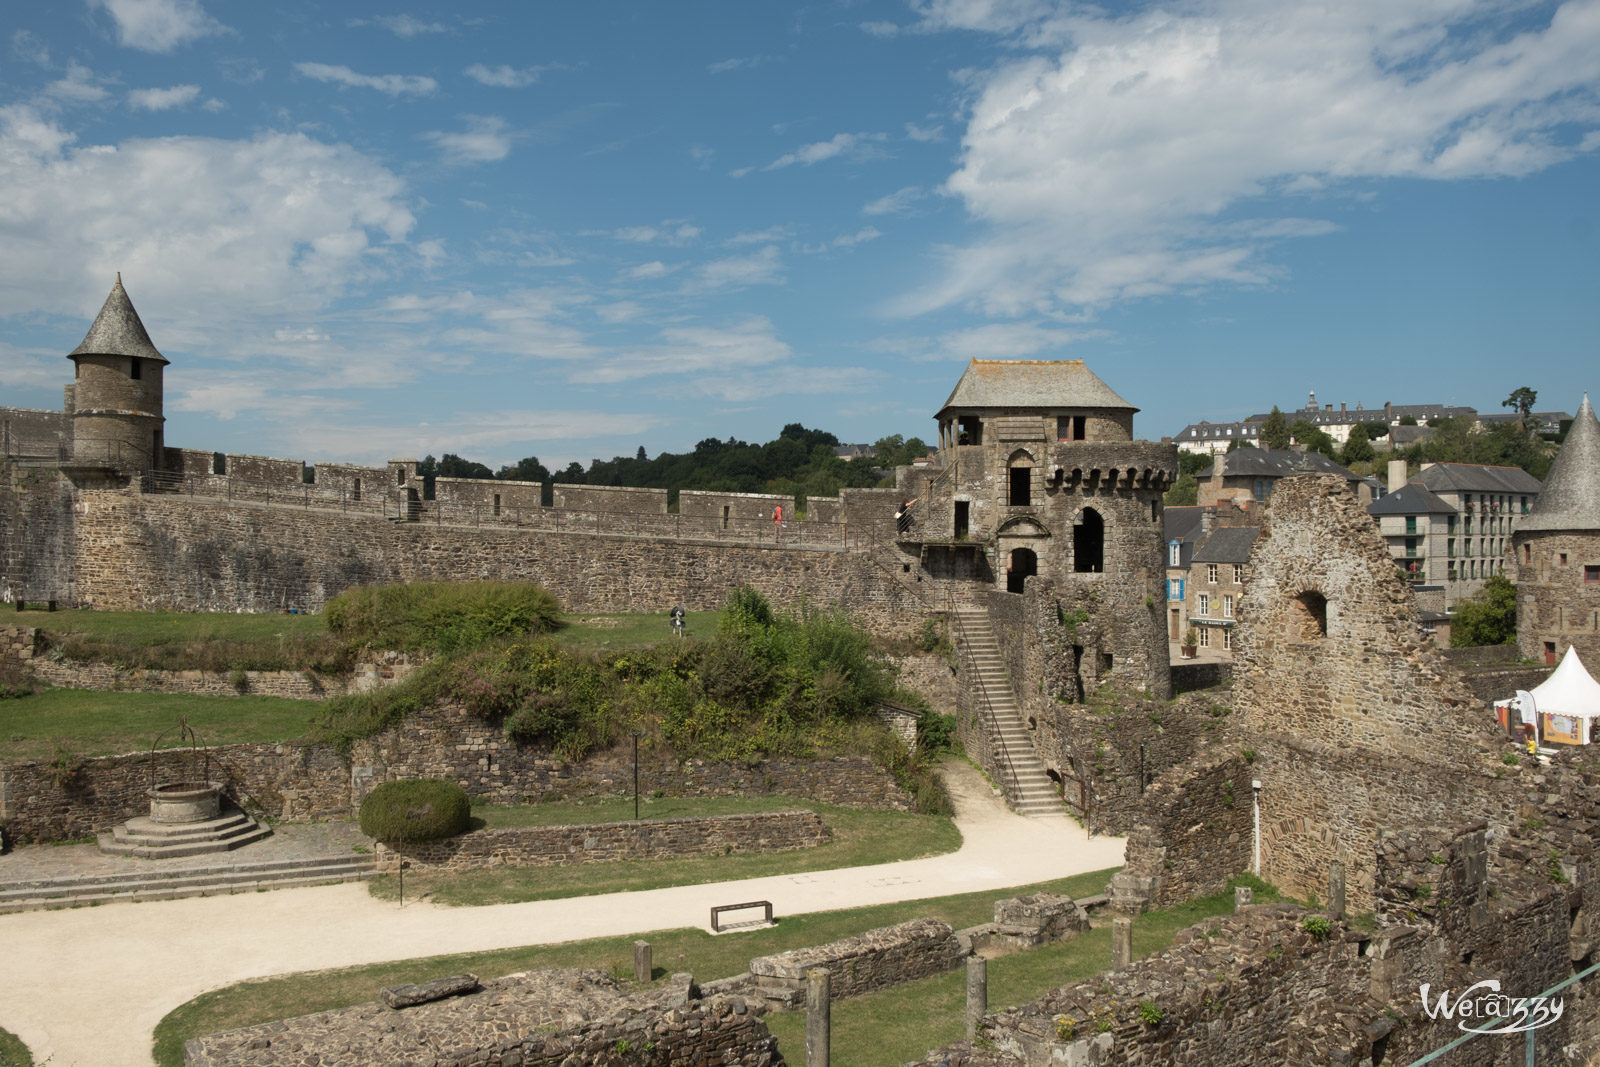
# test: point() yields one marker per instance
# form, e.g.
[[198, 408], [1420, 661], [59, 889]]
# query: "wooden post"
[[642, 964], [817, 1021], [1121, 943], [977, 993]]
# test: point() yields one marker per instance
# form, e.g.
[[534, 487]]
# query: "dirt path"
[[86, 987]]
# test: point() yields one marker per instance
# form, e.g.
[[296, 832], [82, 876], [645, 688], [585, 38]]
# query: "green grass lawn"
[[597, 632], [13, 1053], [860, 838], [695, 951], [94, 723]]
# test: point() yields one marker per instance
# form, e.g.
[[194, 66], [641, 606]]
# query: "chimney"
[[1342, 409], [1205, 522], [1397, 474]]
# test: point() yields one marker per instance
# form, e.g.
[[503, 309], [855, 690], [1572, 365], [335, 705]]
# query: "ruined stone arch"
[[1307, 616]]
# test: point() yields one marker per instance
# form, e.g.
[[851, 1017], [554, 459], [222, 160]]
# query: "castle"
[[1040, 510]]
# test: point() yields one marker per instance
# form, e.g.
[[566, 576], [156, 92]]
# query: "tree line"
[[799, 462]]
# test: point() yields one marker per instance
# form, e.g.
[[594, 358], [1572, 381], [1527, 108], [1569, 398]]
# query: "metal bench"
[[717, 912]]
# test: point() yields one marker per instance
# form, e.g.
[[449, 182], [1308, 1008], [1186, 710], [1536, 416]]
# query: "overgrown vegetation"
[[1489, 618], [412, 810], [440, 616], [218, 642]]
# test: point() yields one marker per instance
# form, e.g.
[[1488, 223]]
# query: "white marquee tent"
[[1566, 704]]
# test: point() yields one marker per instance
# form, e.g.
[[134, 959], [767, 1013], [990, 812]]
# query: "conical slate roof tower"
[[117, 391], [1570, 499], [1556, 552]]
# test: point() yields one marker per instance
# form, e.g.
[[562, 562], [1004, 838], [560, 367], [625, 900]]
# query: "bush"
[[415, 809], [441, 616]]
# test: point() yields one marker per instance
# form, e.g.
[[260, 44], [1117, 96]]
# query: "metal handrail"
[[983, 692]]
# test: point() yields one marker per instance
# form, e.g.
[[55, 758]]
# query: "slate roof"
[[1275, 463], [1475, 478], [117, 330], [1410, 499], [1032, 383], [1181, 523], [1230, 544], [1571, 497]]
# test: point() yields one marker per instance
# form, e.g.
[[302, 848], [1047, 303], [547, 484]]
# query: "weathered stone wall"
[[208, 554], [19, 643], [37, 524], [1555, 605], [537, 1019], [876, 959], [293, 781], [1197, 833], [555, 846], [32, 432], [490, 498], [614, 498], [733, 508], [930, 676]]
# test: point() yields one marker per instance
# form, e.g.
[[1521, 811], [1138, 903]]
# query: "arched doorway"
[[1089, 543], [1024, 565]]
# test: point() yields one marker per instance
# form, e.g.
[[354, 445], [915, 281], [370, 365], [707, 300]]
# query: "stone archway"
[[1022, 564]]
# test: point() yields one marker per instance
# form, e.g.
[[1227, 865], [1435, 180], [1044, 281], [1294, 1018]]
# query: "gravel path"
[[86, 987]]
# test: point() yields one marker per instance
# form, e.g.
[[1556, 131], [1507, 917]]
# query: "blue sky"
[[361, 231]]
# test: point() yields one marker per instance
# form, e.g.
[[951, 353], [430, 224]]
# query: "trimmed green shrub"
[[415, 809], [441, 616]]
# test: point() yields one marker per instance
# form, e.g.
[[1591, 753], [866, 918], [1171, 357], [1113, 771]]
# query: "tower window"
[[1021, 487], [135, 369]]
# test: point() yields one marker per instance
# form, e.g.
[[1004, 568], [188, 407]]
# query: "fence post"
[[977, 993], [641, 961], [818, 1004], [1121, 943]]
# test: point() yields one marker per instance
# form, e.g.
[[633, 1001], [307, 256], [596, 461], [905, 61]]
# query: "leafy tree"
[[453, 466], [526, 469], [1408, 420], [1375, 430], [641, 455], [1357, 449], [1185, 492], [1522, 400], [1314, 439], [573, 475], [1490, 618], [1275, 431]]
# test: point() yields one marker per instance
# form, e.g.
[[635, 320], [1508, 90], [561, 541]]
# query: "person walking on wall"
[[777, 520]]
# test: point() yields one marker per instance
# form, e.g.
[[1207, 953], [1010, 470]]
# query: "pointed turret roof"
[[117, 330], [1571, 496]]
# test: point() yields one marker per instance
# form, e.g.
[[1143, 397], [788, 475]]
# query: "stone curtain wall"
[[537, 1019], [207, 554], [553, 846], [37, 524], [297, 782], [1197, 833], [876, 959]]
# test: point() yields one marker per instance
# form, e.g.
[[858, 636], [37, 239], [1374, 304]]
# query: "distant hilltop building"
[[1217, 437]]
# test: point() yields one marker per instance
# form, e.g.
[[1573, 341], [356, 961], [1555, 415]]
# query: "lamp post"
[[636, 735]]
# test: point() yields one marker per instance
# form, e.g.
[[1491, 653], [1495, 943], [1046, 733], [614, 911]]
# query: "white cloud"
[[672, 232], [24, 369], [995, 340], [761, 268], [855, 144], [29, 47], [78, 87], [759, 237], [924, 133], [695, 351], [702, 155], [485, 140], [847, 240], [403, 25], [162, 99], [213, 230], [158, 25], [728, 65], [644, 271], [896, 202], [393, 84], [503, 76], [1105, 168]]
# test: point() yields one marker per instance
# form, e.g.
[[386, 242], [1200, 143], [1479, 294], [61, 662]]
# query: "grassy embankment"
[[877, 1030]]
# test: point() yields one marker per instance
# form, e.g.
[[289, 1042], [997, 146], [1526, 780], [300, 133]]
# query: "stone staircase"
[[166, 882], [1028, 789], [148, 839]]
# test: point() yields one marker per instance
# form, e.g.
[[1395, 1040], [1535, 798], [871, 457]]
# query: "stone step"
[[145, 829], [157, 885], [175, 893], [158, 848]]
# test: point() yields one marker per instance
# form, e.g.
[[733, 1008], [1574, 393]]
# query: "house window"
[[1071, 427], [1227, 638], [1263, 488], [1211, 573], [1591, 573], [1205, 637], [1174, 588], [1411, 524], [1227, 605], [1450, 524], [1203, 605], [1450, 547], [1174, 550], [1238, 574]]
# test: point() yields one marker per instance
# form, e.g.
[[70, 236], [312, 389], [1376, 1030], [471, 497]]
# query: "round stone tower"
[[116, 391], [1557, 553]]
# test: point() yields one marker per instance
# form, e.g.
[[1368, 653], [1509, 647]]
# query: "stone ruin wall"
[[877, 959], [537, 1019], [1196, 833], [291, 781], [211, 555], [559, 846], [1260, 988]]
